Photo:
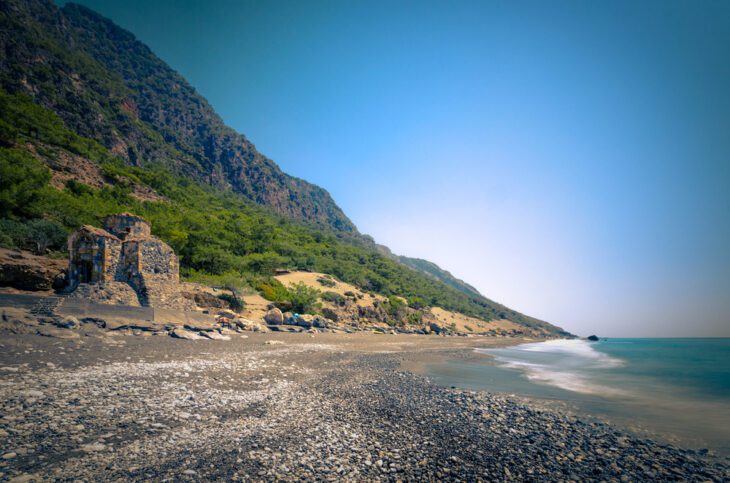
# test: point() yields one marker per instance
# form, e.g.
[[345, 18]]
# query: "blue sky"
[[569, 159]]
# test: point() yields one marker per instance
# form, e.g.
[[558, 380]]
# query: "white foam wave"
[[567, 380], [572, 347], [572, 365]]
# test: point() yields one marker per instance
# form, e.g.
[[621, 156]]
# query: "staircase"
[[46, 306]]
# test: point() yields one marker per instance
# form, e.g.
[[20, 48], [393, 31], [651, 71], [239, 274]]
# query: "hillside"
[[107, 86], [93, 123], [439, 273]]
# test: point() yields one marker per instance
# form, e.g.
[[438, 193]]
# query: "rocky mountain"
[[121, 131], [108, 86]]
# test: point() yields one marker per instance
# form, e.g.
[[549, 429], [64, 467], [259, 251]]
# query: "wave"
[[574, 348], [572, 365]]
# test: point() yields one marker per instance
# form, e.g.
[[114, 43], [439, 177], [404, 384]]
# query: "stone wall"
[[127, 225], [158, 260]]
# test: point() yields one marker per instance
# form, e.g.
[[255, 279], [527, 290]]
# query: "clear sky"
[[569, 159]]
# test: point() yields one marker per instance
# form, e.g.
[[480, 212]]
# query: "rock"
[[68, 322], [25, 271], [229, 314], [101, 323], [93, 447], [274, 317], [322, 322], [10, 455], [205, 300], [273, 342], [57, 333], [436, 328], [212, 334], [592, 338], [180, 333], [305, 321], [246, 324]]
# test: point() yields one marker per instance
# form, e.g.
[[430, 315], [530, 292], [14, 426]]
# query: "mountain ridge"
[[68, 62], [115, 90]]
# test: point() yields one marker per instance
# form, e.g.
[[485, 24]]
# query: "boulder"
[[274, 317], [68, 323], [229, 314], [246, 324], [321, 322], [180, 333], [435, 328], [212, 334], [305, 320], [593, 338]]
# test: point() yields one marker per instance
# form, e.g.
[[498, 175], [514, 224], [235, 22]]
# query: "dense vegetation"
[[218, 235], [107, 86]]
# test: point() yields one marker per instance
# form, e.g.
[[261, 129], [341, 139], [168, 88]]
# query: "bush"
[[395, 307], [235, 303], [334, 297], [273, 290], [326, 281], [330, 314], [303, 298]]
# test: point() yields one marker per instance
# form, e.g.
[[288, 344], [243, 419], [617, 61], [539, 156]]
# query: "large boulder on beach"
[[274, 317], [251, 325]]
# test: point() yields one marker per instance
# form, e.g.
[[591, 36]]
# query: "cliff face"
[[108, 86]]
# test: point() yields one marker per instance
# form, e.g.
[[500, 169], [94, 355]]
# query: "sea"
[[671, 390]]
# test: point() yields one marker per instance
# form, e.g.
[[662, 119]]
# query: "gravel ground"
[[289, 407]]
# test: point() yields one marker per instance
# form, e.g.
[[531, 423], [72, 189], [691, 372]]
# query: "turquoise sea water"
[[675, 389]]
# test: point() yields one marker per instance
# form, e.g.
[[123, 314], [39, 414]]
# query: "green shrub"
[[273, 290], [326, 281], [334, 298], [303, 298]]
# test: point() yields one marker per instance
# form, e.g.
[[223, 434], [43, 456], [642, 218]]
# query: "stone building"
[[124, 255]]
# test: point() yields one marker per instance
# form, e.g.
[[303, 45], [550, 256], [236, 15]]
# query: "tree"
[[237, 286], [45, 234]]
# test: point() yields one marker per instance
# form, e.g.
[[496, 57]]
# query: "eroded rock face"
[[25, 271]]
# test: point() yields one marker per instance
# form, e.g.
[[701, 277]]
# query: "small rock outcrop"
[[25, 271]]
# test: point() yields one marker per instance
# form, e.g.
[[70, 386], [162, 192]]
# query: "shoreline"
[[292, 406]]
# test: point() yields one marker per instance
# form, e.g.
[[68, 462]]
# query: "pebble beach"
[[293, 407]]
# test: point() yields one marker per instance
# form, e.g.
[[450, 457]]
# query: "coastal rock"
[[68, 323], [24, 271], [274, 317], [180, 333], [214, 335], [227, 313], [247, 324], [593, 338]]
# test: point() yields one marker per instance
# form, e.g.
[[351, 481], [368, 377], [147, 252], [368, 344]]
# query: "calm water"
[[678, 389]]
